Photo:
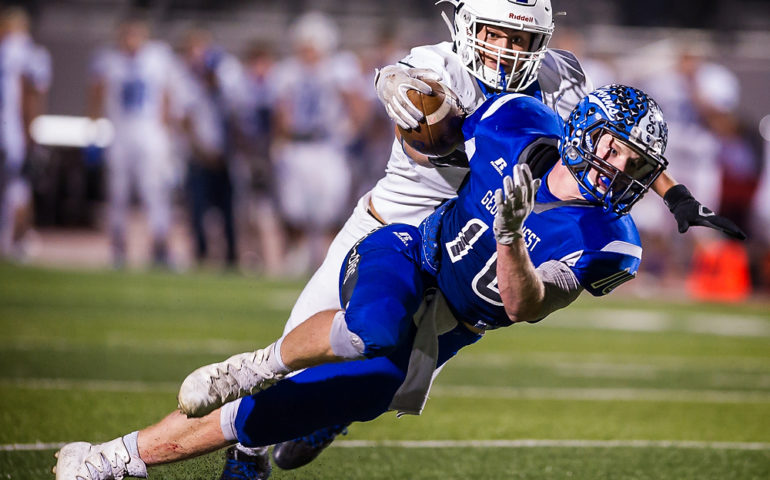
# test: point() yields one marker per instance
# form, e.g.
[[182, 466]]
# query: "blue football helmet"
[[630, 116]]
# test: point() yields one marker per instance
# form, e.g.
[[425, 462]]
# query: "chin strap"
[[502, 83]]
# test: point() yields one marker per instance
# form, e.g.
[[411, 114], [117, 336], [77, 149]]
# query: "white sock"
[[135, 467], [274, 360]]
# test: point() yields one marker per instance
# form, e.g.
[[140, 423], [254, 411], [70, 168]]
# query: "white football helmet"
[[315, 29], [534, 16]]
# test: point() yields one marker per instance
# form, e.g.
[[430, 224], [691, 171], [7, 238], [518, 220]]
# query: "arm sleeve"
[[561, 287]]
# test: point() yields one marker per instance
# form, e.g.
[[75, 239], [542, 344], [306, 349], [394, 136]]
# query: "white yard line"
[[524, 443], [530, 443], [603, 394], [457, 391], [618, 360], [727, 325], [134, 345], [90, 385], [30, 447]]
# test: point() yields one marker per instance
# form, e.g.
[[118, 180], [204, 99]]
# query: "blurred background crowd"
[[177, 133]]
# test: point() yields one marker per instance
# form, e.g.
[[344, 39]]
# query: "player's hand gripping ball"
[[439, 133]]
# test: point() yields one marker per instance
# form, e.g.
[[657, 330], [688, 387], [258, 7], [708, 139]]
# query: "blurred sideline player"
[[318, 105], [130, 86], [25, 76], [500, 258], [211, 83], [497, 45], [255, 177]]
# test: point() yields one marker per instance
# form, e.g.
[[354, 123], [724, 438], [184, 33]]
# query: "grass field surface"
[[612, 388]]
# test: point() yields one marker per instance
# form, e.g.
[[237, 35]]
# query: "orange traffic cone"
[[720, 272]]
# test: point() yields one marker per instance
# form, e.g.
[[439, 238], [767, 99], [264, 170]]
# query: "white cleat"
[[210, 387], [107, 461]]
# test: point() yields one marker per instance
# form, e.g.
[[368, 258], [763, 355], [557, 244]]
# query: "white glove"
[[517, 204], [391, 84]]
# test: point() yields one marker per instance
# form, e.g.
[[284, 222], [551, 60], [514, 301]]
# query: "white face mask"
[[536, 19]]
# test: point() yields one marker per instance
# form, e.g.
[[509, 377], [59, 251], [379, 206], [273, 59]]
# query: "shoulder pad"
[[562, 81], [541, 156]]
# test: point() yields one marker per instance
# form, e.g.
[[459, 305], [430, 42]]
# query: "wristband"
[[676, 195]]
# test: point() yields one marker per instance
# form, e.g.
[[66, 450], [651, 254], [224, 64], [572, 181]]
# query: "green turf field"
[[608, 389]]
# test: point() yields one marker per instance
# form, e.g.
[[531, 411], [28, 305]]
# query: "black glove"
[[689, 212]]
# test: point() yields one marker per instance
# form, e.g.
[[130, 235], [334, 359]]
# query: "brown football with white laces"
[[440, 132]]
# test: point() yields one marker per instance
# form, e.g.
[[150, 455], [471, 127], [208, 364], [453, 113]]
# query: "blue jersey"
[[601, 248]]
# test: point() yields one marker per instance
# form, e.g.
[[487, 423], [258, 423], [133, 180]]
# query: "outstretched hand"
[[517, 203], [689, 212]]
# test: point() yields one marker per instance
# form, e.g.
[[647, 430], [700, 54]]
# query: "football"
[[440, 132]]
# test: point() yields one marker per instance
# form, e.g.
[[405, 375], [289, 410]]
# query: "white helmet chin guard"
[[533, 16]]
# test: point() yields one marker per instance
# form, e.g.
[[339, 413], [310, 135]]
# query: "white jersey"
[[135, 84], [314, 178], [135, 90], [311, 96], [20, 59], [409, 192]]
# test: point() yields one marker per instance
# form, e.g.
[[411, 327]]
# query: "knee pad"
[[345, 343]]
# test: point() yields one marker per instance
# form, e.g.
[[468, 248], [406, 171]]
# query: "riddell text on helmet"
[[521, 18]]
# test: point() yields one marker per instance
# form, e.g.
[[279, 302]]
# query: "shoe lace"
[[102, 468], [238, 375], [324, 435]]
